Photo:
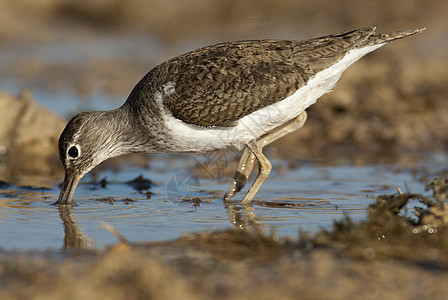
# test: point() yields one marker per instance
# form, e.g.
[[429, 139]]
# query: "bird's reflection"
[[242, 217], [74, 237]]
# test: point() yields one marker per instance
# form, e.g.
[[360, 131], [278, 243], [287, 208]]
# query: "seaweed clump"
[[389, 233]]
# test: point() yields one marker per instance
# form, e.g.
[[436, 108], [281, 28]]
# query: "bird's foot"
[[238, 182]]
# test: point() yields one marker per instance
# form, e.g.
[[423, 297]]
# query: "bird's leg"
[[264, 165], [264, 168], [247, 159], [281, 131], [243, 170]]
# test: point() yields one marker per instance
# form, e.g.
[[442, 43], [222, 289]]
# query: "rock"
[[28, 138]]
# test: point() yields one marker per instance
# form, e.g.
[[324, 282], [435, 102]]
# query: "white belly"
[[190, 138]]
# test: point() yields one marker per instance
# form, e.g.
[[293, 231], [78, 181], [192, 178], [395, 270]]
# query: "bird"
[[241, 94]]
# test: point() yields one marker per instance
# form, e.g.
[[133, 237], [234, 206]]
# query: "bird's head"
[[87, 140]]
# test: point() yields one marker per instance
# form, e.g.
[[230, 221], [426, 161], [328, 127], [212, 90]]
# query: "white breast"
[[190, 138]]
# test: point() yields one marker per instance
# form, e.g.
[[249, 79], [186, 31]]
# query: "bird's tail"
[[387, 37]]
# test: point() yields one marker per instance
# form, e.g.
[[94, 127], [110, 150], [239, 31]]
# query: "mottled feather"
[[218, 85]]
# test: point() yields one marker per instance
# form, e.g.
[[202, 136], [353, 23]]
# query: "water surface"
[[173, 202]]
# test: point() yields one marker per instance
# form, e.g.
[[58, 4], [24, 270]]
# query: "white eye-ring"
[[74, 151]]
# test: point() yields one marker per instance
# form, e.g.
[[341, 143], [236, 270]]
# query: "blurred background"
[[384, 126], [58, 57]]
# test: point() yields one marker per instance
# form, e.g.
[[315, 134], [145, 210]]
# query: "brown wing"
[[217, 85]]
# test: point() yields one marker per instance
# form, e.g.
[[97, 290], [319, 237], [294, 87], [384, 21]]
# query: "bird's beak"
[[68, 188]]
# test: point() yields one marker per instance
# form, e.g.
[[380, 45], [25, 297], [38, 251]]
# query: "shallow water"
[[307, 198]]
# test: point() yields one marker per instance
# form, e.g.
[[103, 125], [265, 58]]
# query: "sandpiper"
[[243, 94]]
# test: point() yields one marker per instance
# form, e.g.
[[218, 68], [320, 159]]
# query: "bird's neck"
[[134, 132]]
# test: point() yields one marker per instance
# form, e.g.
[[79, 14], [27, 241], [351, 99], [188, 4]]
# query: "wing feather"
[[218, 85]]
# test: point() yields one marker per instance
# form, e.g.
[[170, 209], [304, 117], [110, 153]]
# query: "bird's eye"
[[73, 152]]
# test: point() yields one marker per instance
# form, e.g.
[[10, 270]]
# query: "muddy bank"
[[176, 20], [138, 273]]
